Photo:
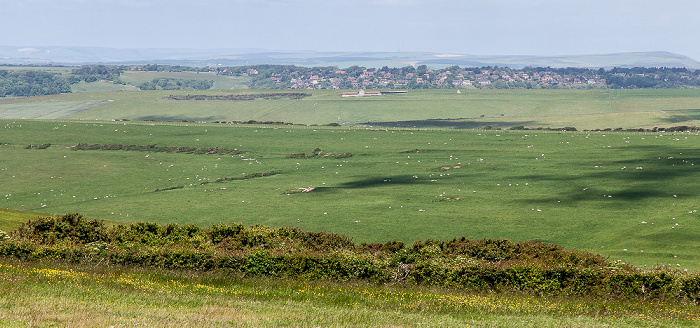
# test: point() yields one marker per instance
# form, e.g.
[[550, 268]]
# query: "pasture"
[[629, 196], [221, 82], [583, 109]]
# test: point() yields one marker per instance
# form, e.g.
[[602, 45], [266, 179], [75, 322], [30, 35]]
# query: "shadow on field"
[[682, 115], [382, 181], [456, 123], [371, 182], [660, 173], [175, 119]]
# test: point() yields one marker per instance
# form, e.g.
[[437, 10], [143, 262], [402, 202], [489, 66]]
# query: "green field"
[[583, 109], [101, 86], [629, 196], [221, 82]]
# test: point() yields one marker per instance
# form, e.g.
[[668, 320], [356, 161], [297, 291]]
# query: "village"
[[422, 77]]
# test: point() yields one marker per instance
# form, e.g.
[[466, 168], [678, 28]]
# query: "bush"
[[219, 232], [70, 227], [486, 264]]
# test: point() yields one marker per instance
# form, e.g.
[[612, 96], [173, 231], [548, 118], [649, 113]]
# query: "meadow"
[[583, 109], [221, 82], [628, 196]]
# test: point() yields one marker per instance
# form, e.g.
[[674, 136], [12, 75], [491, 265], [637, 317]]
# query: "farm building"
[[362, 93]]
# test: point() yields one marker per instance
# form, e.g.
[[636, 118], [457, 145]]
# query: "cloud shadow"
[[457, 123]]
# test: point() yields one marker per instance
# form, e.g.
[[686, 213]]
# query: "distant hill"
[[239, 57]]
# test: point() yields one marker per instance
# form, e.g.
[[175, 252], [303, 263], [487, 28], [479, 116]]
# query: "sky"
[[477, 27]]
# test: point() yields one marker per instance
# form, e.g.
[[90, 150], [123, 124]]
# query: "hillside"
[[583, 109], [239, 57]]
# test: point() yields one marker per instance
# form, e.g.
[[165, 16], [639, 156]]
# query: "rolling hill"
[[237, 57]]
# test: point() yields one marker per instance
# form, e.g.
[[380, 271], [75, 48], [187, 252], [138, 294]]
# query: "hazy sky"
[[481, 27]]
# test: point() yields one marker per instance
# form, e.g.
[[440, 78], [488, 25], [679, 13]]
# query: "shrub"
[[486, 264], [69, 227], [219, 232]]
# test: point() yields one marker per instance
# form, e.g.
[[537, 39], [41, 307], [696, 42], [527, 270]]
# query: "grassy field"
[[628, 196], [583, 109], [46, 110], [11, 219], [101, 86], [61, 295], [221, 82]]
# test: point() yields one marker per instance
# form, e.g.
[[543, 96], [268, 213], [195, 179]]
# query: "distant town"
[[21, 82], [455, 77]]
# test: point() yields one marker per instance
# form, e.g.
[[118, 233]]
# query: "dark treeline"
[[164, 83], [93, 73], [154, 148], [267, 96], [32, 83]]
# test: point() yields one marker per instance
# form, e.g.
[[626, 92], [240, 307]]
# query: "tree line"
[[32, 83], [164, 83]]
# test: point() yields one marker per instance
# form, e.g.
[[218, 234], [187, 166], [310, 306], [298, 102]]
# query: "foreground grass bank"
[[492, 265], [54, 294]]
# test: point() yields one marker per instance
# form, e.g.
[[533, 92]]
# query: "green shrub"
[[487, 264], [69, 227], [217, 233]]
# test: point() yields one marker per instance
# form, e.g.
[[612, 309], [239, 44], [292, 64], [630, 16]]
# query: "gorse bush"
[[72, 228], [487, 264]]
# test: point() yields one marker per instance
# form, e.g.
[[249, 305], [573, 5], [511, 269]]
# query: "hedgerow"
[[496, 265], [154, 148], [266, 96]]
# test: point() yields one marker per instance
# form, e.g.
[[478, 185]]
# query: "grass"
[[46, 110], [11, 219], [221, 82], [100, 86], [579, 190], [55, 294], [583, 109]]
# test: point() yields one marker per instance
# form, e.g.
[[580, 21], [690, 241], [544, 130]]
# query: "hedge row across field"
[[266, 96], [487, 264], [154, 148]]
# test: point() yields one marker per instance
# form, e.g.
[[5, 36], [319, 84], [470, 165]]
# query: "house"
[[361, 93]]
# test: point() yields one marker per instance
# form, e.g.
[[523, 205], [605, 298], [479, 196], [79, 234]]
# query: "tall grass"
[[53, 294]]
